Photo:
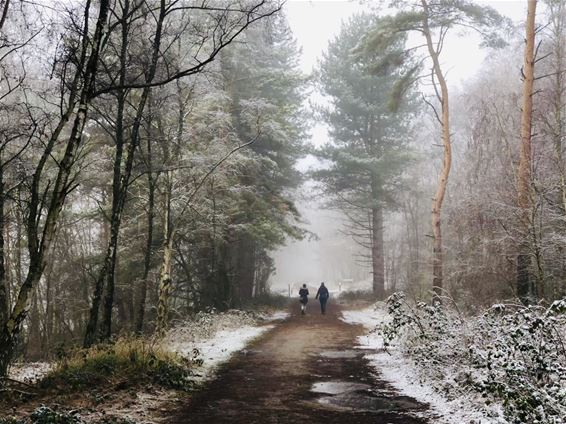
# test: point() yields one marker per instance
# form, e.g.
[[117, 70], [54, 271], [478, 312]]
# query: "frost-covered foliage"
[[509, 354], [204, 325], [46, 415], [30, 372]]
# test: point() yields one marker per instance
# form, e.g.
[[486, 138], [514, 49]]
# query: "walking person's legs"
[[323, 306]]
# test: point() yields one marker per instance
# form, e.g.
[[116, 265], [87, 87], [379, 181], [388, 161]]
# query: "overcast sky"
[[315, 22]]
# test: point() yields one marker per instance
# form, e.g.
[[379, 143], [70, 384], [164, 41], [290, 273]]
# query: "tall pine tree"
[[262, 78], [369, 130]]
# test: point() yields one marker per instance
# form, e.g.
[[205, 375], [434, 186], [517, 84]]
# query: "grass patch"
[[127, 362]]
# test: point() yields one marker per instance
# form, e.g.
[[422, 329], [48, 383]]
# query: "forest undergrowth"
[[83, 381], [509, 354]]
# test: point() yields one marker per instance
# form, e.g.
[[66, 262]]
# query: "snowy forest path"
[[304, 370]]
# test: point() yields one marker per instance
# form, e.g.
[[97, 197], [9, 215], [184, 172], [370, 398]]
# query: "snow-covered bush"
[[45, 415], [510, 354], [56, 415]]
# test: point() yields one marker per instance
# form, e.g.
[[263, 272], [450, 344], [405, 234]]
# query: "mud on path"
[[303, 371]]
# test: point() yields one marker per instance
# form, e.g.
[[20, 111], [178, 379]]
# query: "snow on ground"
[[219, 348], [29, 372], [276, 316], [213, 338], [403, 374], [210, 337]]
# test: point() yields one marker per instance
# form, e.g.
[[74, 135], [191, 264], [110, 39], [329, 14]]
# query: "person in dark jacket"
[[304, 298], [322, 295]]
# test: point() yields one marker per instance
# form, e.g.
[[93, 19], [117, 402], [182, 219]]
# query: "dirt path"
[[304, 371]]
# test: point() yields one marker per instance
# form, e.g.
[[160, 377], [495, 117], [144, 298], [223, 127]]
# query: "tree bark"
[[377, 250], [142, 298], [4, 5], [558, 19], [33, 348], [4, 292], [437, 259], [165, 272], [524, 177]]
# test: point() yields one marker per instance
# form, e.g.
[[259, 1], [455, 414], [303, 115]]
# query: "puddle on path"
[[355, 401], [359, 397], [339, 354], [338, 387]]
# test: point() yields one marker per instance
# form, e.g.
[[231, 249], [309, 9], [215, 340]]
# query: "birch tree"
[[45, 204]]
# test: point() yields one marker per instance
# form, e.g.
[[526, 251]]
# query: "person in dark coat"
[[322, 295], [304, 298]]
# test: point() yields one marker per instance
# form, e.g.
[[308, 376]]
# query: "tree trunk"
[[222, 277], [524, 178], [558, 133], [148, 249], [377, 252], [92, 325], [107, 276], [11, 329], [165, 272], [4, 292], [48, 336], [558, 20], [245, 268], [437, 259], [110, 275], [164, 289], [33, 351]]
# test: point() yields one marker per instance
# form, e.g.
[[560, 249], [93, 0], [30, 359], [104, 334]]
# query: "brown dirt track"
[[272, 381]]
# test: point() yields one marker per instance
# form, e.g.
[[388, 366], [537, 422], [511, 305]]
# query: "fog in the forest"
[[326, 255], [330, 254], [173, 171]]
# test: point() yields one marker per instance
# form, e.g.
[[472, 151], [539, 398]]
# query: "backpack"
[[303, 293]]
